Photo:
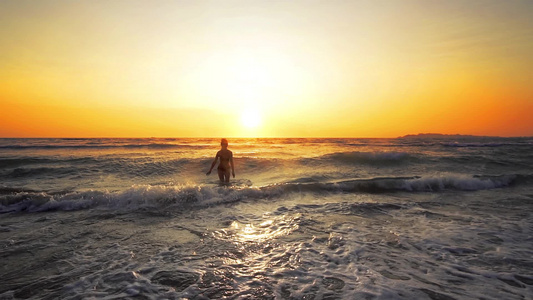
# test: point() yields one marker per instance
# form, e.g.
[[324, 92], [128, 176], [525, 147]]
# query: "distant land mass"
[[440, 135]]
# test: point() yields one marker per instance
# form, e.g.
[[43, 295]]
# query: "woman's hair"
[[223, 142]]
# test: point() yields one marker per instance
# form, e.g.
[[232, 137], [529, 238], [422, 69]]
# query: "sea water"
[[422, 217]]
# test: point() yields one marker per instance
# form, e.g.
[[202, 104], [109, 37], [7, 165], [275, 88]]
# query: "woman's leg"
[[227, 176], [221, 174]]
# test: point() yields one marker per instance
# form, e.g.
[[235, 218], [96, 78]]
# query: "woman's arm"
[[212, 165], [231, 164]]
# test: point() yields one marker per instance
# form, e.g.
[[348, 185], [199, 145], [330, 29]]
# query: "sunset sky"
[[265, 68]]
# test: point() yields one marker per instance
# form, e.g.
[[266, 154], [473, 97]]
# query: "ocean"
[[419, 217]]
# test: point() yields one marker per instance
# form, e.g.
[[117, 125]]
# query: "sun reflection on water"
[[240, 232], [259, 245]]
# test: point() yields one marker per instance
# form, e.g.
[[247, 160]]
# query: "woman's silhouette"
[[226, 161]]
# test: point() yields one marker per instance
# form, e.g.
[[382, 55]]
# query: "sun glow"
[[264, 69], [250, 118]]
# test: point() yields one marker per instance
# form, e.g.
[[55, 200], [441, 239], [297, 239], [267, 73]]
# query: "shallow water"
[[419, 218]]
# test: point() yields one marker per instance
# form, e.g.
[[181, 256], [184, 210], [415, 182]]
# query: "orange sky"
[[265, 68]]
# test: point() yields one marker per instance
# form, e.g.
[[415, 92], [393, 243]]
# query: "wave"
[[414, 184], [488, 144], [369, 157], [14, 162], [28, 167], [137, 197], [41, 171], [90, 166], [182, 198], [431, 184], [104, 146]]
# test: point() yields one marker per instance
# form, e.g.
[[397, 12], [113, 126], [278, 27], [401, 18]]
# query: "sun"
[[250, 118]]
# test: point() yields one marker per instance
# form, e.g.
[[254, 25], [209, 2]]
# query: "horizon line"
[[270, 137]]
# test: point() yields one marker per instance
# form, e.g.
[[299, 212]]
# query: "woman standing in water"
[[226, 160]]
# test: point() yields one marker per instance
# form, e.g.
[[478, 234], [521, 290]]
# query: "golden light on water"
[[265, 231], [266, 234]]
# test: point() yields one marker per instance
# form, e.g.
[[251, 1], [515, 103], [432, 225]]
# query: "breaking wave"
[[182, 198]]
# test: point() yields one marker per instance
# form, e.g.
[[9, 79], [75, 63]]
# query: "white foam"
[[189, 196]]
